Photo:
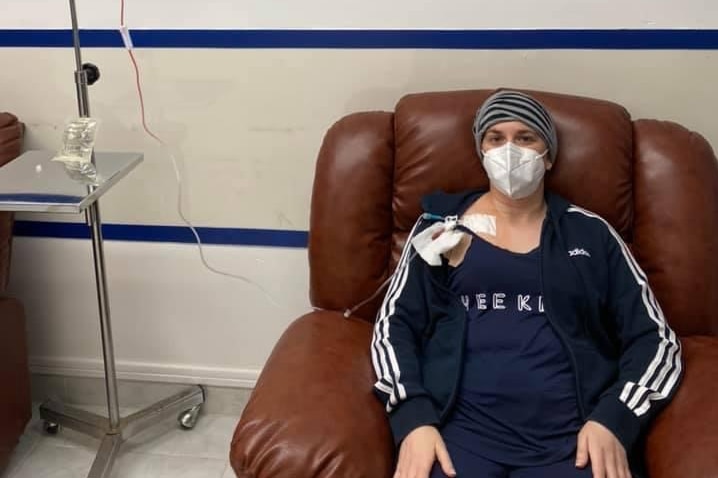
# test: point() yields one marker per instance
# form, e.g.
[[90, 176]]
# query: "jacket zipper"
[[560, 334]]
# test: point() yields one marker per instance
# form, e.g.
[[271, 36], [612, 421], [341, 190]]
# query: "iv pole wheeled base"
[[184, 406]]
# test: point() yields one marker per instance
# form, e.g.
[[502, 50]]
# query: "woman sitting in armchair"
[[519, 337]]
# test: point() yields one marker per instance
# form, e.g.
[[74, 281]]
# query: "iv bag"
[[78, 141]]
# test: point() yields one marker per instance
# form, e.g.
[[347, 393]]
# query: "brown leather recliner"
[[313, 414], [15, 404]]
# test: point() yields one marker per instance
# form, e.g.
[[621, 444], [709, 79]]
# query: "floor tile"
[[22, 451], [210, 438], [49, 461], [140, 465]]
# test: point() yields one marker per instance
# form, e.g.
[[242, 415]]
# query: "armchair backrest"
[[654, 181]]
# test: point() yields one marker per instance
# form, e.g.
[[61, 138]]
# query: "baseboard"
[[146, 372]]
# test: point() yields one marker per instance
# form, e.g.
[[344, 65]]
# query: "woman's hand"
[[608, 457], [419, 450]]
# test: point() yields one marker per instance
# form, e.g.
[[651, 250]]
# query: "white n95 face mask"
[[513, 170]]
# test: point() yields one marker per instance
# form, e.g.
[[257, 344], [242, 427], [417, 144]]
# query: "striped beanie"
[[507, 105]]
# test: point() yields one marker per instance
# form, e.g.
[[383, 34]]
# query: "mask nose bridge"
[[505, 148]]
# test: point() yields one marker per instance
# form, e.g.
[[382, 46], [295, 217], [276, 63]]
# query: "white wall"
[[246, 125], [172, 319], [231, 14]]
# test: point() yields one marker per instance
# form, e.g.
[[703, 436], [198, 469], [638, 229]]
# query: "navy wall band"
[[180, 234], [637, 39]]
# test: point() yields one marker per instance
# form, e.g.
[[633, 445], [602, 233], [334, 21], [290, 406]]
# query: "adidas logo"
[[578, 252]]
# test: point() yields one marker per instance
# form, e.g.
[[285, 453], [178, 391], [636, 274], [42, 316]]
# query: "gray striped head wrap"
[[507, 105]]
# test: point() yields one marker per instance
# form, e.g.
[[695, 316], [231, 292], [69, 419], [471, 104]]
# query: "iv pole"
[[84, 76], [111, 430]]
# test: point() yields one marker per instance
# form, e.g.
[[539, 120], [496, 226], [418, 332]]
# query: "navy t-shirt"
[[516, 403]]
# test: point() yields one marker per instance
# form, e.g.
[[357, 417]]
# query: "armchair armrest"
[[684, 439], [15, 402], [313, 413]]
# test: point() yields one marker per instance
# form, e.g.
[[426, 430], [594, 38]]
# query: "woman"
[[532, 346]]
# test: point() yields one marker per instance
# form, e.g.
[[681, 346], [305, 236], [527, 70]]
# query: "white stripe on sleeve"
[[387, 366], [633, 395]]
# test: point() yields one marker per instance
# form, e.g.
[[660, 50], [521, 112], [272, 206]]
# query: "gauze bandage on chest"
[[479, 223], [443, 236]]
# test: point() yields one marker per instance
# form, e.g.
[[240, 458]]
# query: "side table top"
[[34, 183]]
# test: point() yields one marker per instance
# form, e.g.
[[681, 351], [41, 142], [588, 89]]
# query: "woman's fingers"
[[442, 454]]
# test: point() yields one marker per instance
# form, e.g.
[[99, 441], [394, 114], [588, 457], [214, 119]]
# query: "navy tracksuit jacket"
[[625, 358]]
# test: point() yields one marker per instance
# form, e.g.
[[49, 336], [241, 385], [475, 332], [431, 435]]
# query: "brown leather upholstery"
[[11, 132], [14, 376], [15, 402], [684, 440], [312, 414]]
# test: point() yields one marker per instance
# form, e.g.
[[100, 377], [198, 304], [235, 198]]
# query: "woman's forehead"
[[510, 127]]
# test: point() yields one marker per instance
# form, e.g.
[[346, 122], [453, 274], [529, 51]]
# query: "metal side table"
[[34, 183]]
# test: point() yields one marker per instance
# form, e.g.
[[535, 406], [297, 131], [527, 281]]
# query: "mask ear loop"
[[550, 162]]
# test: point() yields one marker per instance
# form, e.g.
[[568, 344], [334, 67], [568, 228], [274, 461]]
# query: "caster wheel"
[[50, 428], [188, 418]]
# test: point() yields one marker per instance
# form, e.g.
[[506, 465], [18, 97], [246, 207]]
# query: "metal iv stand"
[[112, 430]]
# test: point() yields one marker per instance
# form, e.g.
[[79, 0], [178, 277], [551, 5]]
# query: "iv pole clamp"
[[113, 429]]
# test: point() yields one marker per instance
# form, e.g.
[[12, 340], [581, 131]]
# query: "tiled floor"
[[162, 451]]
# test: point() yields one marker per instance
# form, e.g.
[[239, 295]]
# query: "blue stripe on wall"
[[678, 39], [144, 233]]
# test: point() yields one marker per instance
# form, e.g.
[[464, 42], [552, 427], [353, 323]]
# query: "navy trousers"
[[469, 465]]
